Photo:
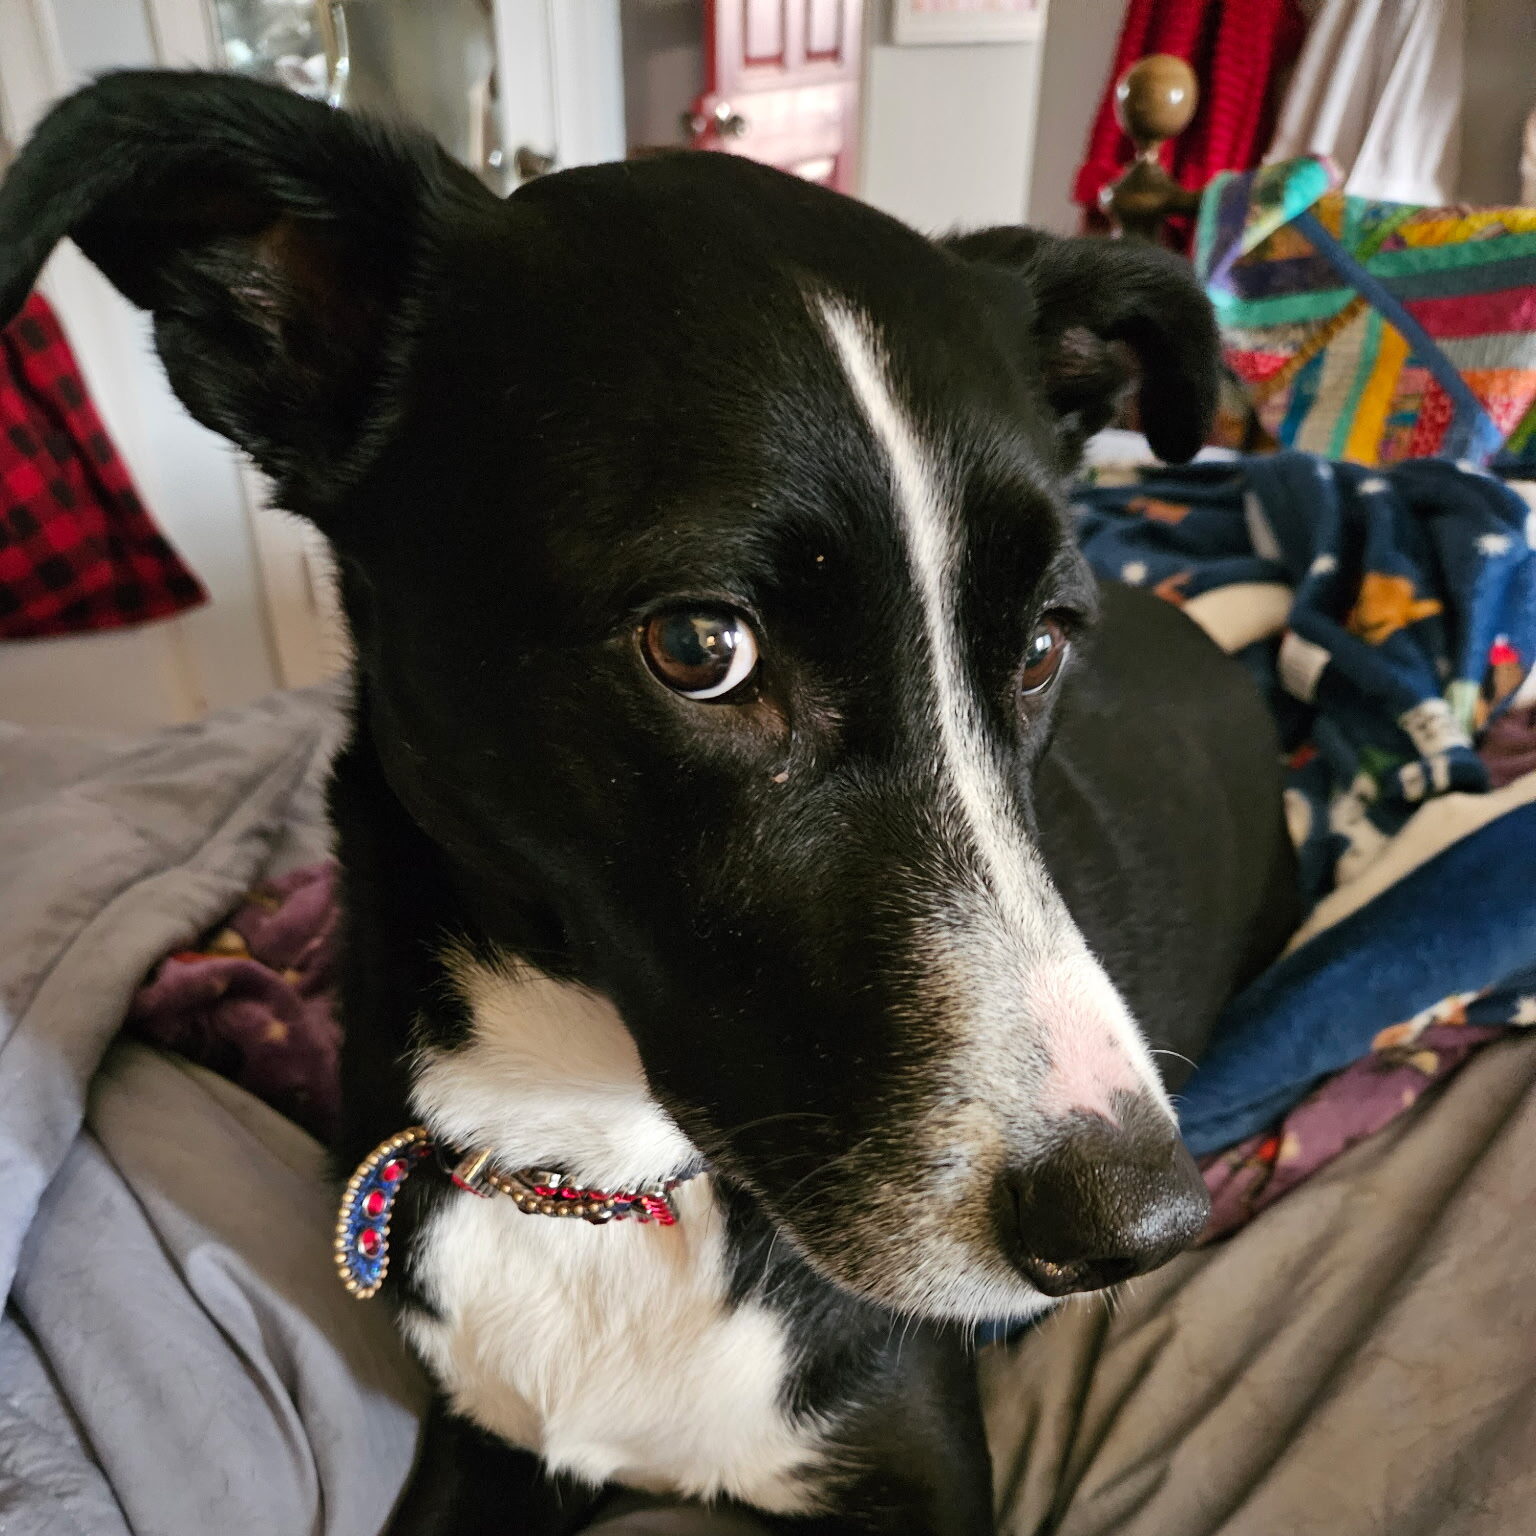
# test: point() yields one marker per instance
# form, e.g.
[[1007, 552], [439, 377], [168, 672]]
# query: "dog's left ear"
[[1095, 302], [279, 245]]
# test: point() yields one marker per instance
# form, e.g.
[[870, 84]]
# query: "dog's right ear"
[[280, 245], [1112, 316]]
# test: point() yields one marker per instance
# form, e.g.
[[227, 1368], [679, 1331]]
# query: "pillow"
[[1373, 331]]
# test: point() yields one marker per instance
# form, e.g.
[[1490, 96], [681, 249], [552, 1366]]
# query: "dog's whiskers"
[[788, 1114]]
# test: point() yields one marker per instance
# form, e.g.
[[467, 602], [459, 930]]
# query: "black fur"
[[526, 426]]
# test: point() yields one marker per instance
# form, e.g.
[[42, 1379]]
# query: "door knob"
[[724, 120], [528, 163]]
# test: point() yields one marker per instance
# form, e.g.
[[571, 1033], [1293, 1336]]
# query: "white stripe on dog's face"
[[1015, 955]]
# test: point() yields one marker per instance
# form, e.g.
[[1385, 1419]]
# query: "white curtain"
[[1528, 168], [1379, 89]]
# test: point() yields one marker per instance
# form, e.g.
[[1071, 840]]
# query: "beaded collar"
[[362, 1223]]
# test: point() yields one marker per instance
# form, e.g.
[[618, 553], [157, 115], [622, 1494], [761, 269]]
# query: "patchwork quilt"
[[1369, 331]]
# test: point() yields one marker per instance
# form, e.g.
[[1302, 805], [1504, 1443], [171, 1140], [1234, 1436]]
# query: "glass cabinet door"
[[431, 62], [286, 42]]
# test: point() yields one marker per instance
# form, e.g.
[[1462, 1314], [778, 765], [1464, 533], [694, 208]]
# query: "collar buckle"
[[472, 1172]]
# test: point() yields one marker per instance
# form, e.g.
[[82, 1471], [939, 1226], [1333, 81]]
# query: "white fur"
[[550, 1070], [1019, 961], [610, 1351]]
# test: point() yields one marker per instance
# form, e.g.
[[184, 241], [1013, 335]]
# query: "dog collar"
[[362, 1223]]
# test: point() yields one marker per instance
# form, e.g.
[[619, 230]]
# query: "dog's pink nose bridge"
[[1089, 1069]]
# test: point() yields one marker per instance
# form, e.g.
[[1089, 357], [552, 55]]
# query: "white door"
[[222, 653], [271, 621]]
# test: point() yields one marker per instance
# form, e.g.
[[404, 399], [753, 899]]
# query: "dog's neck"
[[548, 1077]]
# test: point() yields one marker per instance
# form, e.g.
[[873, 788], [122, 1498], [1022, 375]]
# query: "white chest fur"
[[611, 1351]]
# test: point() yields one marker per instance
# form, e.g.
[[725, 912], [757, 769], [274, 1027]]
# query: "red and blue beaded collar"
[[362, 1224]]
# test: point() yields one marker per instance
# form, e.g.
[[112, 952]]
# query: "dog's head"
[[704, 549]]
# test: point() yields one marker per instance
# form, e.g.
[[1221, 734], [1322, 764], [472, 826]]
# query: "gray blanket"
[[177, 1356]]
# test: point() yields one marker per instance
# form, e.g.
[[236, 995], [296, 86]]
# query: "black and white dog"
[[765, 846]]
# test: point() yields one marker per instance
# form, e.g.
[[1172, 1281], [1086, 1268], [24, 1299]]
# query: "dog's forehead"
[[670, 326], [696, 275], [799, 489], [648, 398]]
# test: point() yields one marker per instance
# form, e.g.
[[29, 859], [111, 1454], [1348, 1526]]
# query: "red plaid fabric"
[[78, 550]]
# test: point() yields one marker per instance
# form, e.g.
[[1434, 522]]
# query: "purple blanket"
[[254, 1003]]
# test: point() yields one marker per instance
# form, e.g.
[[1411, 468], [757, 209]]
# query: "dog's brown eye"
[[704, 654], [1043, 656]]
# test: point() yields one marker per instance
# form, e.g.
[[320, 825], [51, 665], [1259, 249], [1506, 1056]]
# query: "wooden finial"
[[1155, 101]]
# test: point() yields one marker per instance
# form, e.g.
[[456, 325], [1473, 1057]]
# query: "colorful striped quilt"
[[1374, 332]]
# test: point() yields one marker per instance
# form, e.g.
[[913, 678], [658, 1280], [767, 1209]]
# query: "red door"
[[781, 85]]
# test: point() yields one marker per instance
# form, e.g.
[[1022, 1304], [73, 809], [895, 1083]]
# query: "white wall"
[[1500, 95], [663, 68], [1080, 37], [948, 130]]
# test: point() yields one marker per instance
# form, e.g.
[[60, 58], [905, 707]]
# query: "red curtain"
[[1241, 50]]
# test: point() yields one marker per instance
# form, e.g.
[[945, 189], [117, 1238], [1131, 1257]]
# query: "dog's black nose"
[[1107, 1202]]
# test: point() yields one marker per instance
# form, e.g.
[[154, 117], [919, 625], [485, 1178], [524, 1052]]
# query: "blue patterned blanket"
[[1403, 627]]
